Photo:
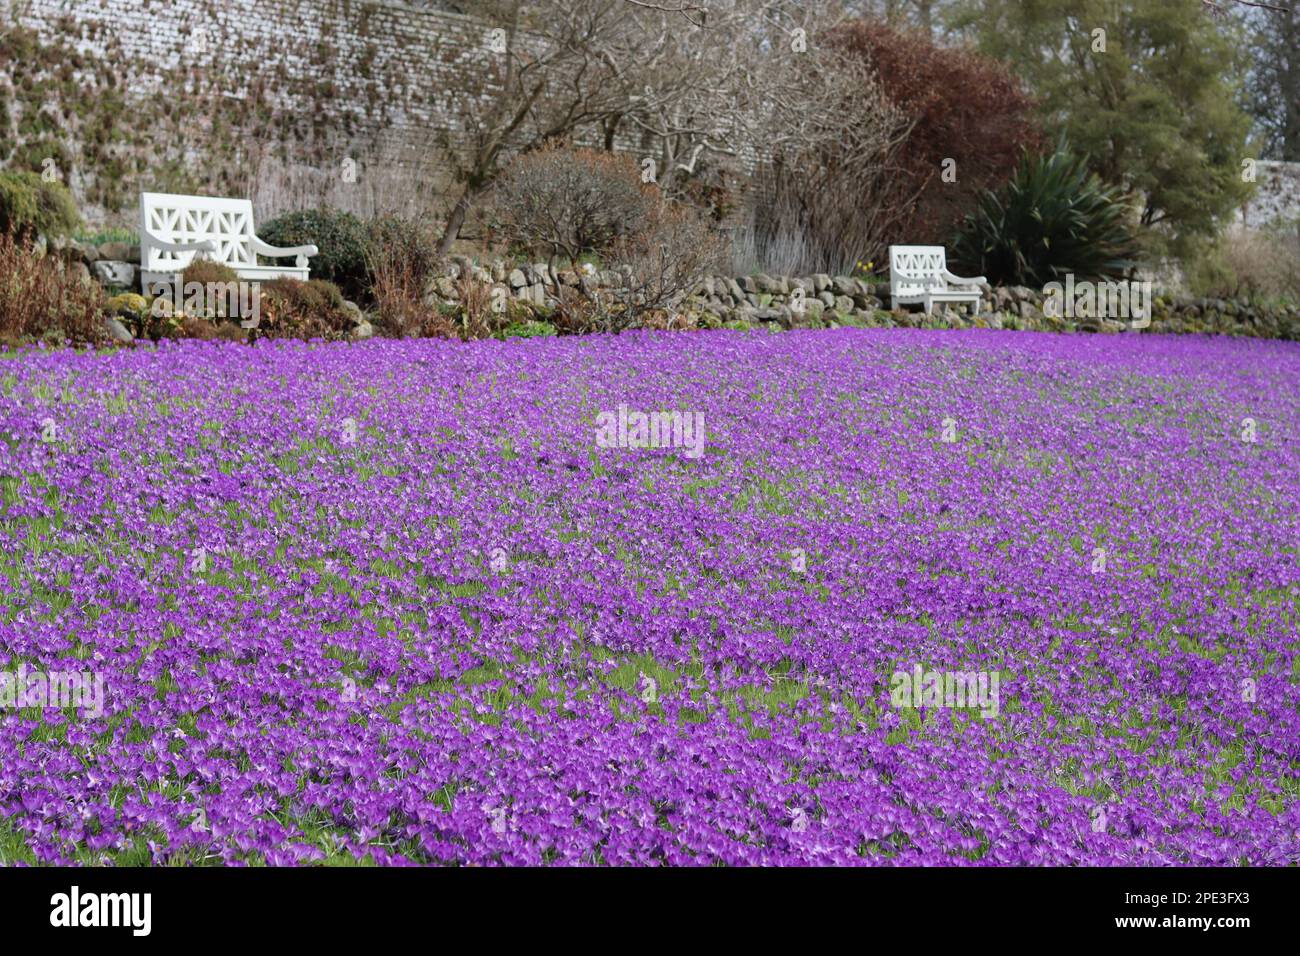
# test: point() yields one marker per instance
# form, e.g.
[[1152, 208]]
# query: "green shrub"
[[528, 330], [1054, 217], [340, 237], [101, 236], [129, 304], [29, 205]]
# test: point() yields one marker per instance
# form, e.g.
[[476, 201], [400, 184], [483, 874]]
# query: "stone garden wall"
[[823, 301], [784, 302], [277, 100], [1277, 196]]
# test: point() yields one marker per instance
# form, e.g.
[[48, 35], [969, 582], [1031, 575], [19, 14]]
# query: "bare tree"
[[735, 81], [554, 67]]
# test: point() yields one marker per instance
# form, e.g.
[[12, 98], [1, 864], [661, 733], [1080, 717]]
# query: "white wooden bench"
[[174, 229], [920, 274]]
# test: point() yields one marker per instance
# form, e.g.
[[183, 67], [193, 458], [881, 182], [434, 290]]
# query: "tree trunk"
[[455, 220]]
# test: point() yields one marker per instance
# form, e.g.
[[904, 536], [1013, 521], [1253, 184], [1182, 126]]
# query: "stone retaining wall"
[[820, 301], [817, 301]]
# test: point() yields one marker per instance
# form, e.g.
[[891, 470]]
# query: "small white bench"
[[920, 274], [174, 229]]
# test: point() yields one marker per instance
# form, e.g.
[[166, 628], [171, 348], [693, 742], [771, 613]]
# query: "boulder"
[[464, 266], [517, 279], [1028, 310], [117, 331], [118, 251], [115, 273]]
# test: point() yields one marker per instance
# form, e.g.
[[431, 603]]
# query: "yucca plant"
[[1053, 217]]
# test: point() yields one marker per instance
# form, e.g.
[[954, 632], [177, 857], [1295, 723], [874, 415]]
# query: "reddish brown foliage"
[[964, 106]]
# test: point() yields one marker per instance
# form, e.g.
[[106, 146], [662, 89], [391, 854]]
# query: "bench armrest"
[[275, 252], [960, 281], [924, 278], [206, 245]]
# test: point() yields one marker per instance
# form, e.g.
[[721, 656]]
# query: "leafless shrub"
[[780, 244], [666, 260], [831, 189], [41, 296], [477, 318], [570, 201], [649, 274], [402, 260], [1262, 263]]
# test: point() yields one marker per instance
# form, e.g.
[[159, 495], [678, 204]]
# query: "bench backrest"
[[928, 261], [174, 218]]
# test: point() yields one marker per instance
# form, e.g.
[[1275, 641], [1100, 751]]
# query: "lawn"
[[393, 602]]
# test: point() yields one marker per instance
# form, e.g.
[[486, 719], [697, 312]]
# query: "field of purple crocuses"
[[653, 599]]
